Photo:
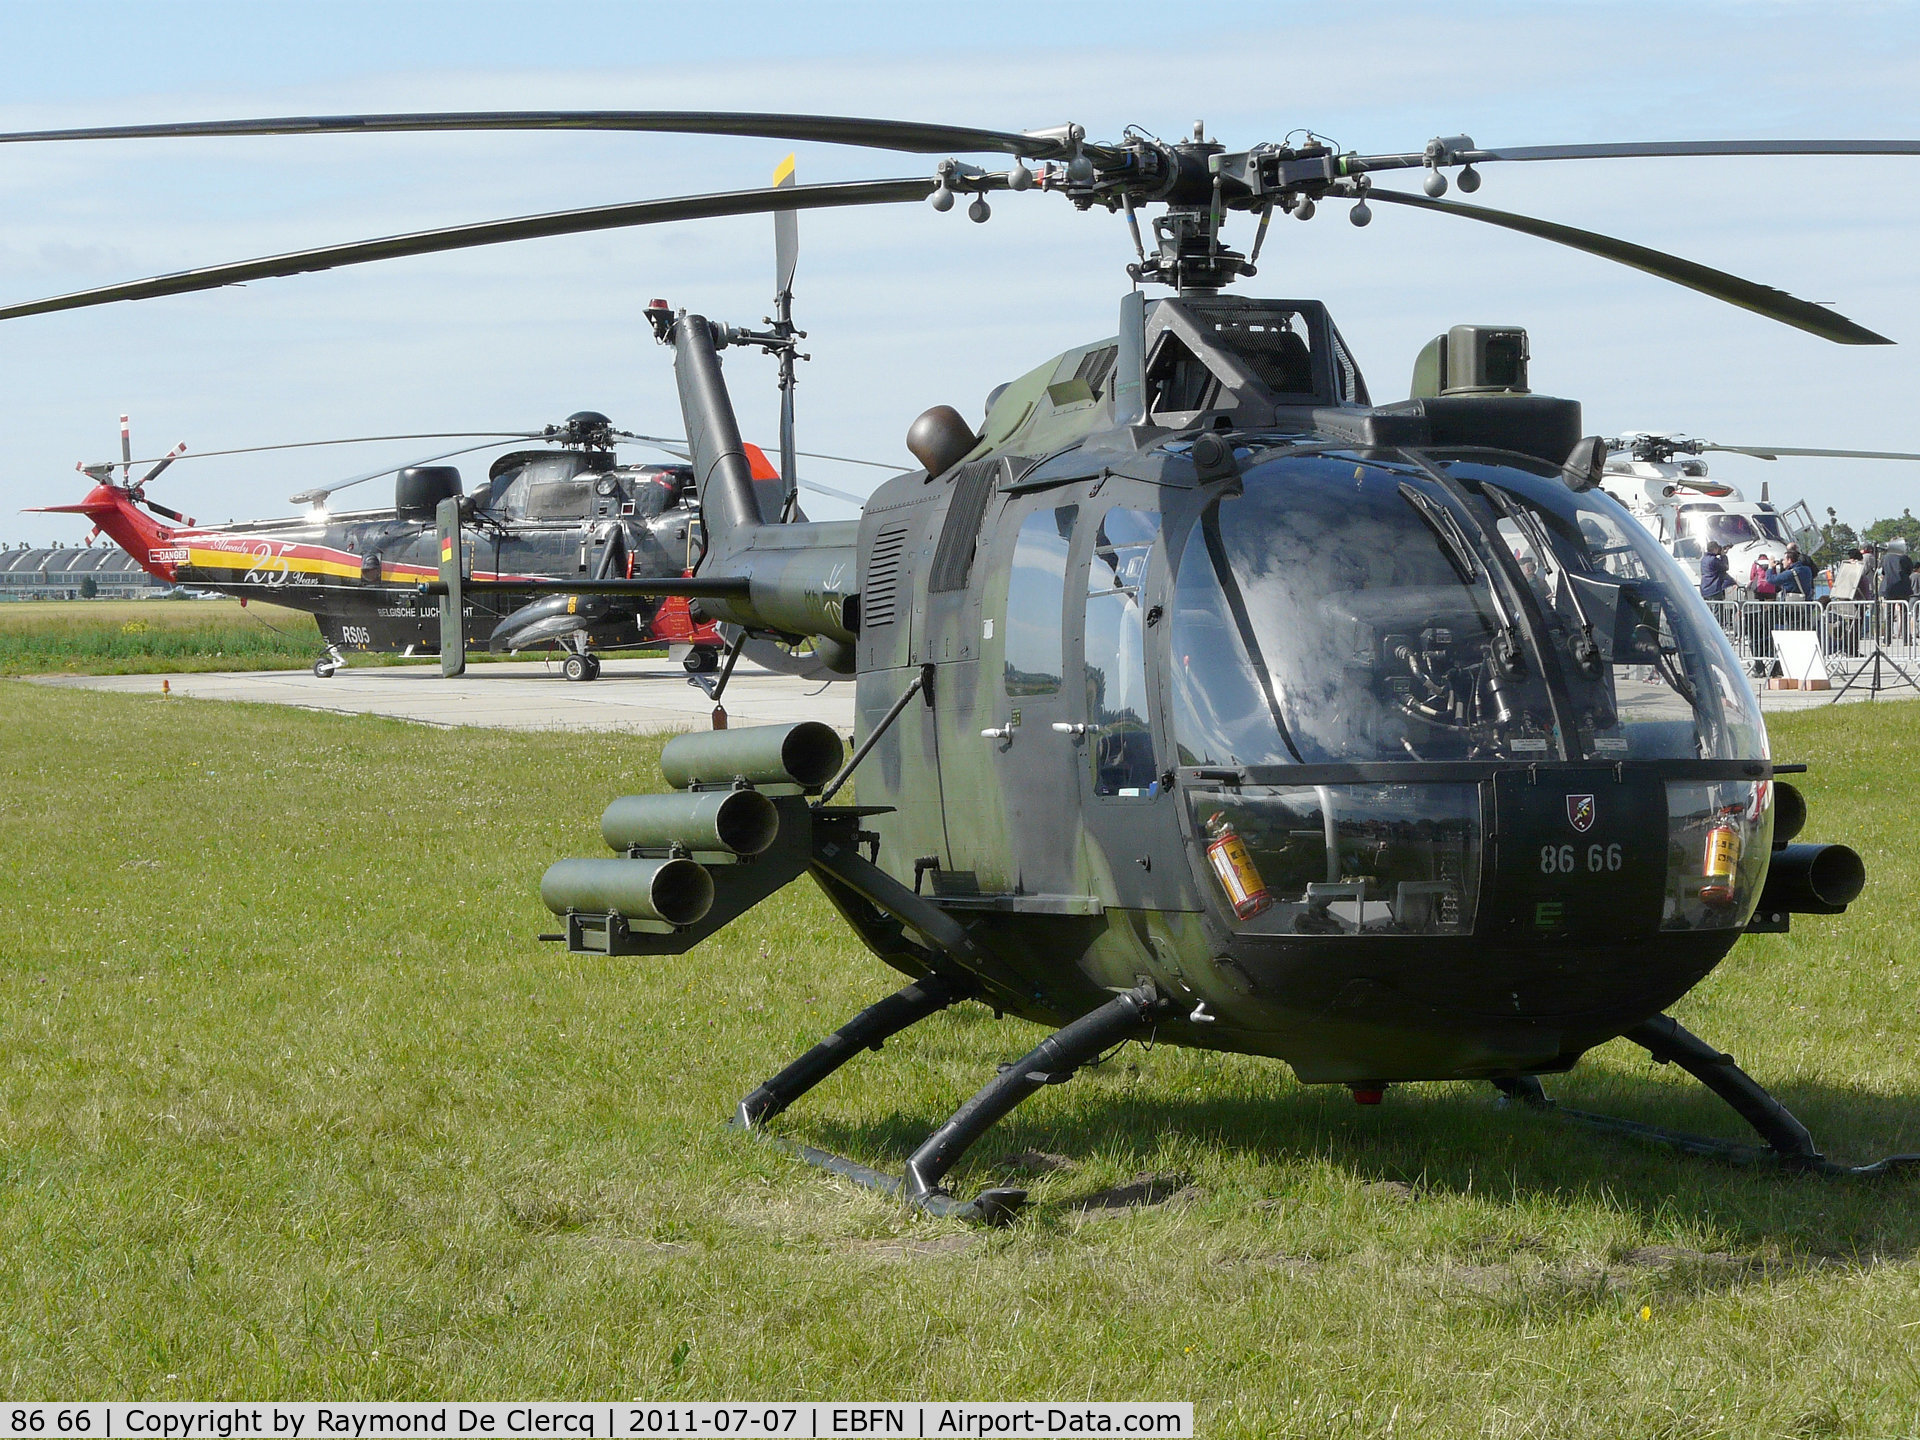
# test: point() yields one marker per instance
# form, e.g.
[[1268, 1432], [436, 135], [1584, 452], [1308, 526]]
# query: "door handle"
[[997, 732], [1063, 727]]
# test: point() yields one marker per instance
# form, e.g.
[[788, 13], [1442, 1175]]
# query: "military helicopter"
[[1198, 695], [568, 512], [543, 514]]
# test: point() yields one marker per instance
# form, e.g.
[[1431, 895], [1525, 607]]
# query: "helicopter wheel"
[[593, 667], [579, 667], [323, 668], [701, 660]]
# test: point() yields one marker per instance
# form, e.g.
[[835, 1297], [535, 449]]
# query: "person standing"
[[1843, 620], [1794, 579], [1715, 578], [1896, 572], [1759, 624], [1847, 575], [1896, 587]]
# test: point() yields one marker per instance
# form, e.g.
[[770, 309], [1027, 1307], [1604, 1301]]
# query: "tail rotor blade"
[[788, 465], [786, 255], [173, 515], [126, 449], [168, 459]]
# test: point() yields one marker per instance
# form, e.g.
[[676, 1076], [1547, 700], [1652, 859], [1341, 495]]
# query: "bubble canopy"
[[1343, 606]]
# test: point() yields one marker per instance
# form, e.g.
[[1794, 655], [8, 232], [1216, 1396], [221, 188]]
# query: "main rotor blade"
[[1643, 150], [491, 232], [1774, 452], [502, 435], [820, 489], [1747, 294], [908, 136], [786, 234], [318, 494]]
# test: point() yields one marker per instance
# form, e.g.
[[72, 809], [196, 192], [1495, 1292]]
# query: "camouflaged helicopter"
[[1200, 696]]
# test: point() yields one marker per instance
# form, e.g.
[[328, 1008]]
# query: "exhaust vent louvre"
[[880, 595], [953, 561], [1096, 365]]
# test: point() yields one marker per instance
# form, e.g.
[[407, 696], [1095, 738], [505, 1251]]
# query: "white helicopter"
[[1660, 478]]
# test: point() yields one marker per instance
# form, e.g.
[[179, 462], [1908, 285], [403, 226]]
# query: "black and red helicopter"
[[541, 515], [565, 511]]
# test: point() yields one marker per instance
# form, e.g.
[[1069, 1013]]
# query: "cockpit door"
[[1024, 647], [1131, 821]]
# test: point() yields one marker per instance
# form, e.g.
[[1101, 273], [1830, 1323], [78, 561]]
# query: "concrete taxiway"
[[630, 695]]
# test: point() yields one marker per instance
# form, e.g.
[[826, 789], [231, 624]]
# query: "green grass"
[[152, 637], [121, 637], [293, 1104]]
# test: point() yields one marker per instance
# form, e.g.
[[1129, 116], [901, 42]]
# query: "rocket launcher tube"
[[738, 822], [677, 892], [805, 754], [1813, 880]]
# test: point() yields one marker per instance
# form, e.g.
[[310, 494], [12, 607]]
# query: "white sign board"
[[1800, 658]]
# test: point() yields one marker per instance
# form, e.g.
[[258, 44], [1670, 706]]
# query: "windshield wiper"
[[1446, 529], [1453, 541], [1583, 647]]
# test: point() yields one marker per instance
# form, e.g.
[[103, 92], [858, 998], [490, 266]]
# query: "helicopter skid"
[[868, 1030], [1053, 1061], [1788, 1142]]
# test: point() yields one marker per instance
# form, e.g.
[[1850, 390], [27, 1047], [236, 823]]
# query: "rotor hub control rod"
[[1051, 1062], [868, 1030]]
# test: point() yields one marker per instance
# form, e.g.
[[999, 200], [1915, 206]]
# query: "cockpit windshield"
[[1646, 672], [1720, 527], [545, 487], [1339, 609], [1342, 608]]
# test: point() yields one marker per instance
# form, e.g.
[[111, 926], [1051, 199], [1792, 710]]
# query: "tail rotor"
[[102, 473]]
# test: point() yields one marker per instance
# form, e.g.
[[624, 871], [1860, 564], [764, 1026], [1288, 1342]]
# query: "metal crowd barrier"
[[1848, 630]]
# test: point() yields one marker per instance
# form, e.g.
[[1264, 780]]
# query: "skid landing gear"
[[1788, 1142], [1052, 1062]]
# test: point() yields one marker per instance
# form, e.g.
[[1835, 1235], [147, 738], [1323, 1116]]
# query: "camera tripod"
[[1874, 683]]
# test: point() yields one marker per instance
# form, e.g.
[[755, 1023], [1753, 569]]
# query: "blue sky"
[[908, 308]]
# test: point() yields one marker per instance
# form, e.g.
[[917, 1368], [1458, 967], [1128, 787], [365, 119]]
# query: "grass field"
[[294, 1105], [122, 637]]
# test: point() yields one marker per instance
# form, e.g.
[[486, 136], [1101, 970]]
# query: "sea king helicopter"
[[569, 511], [1198, 695]]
